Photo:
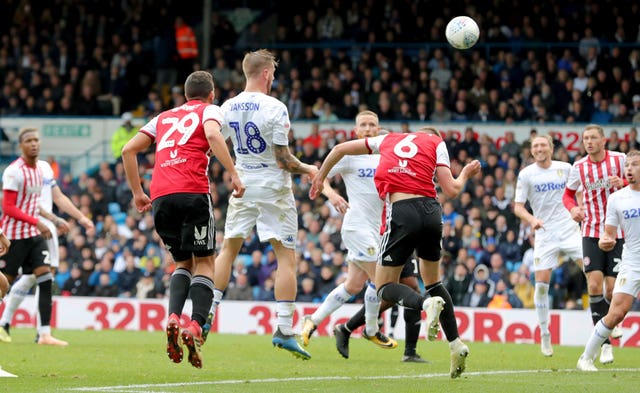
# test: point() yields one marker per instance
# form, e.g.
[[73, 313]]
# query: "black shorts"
[[412, 224], [410, 268], [28, 253], [185, 223], [594, 259]]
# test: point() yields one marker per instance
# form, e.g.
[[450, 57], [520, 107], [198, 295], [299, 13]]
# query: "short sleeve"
[[341, 167], [522, 188], [212, 112], [442, 155], [374, 143], [11, 179], [281, 125], [611, 217], [150, 128], [574, 182]]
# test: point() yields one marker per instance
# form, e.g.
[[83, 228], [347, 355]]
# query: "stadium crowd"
[[88, 58]]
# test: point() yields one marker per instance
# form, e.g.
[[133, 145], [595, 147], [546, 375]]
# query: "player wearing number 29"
[[181, 203], [258, 125], [622, 212], [409, 163]]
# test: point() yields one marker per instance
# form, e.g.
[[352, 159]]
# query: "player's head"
[[542, 148], [367, 124], [259, 67], [430, 130], [593, 139], [199, 86], [632, 167], [29, 140]]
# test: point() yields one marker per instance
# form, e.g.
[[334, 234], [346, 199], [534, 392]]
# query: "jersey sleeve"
[[281, 125], [374, 143], [10, 179], [442, 155], [611, 217], [341, 167], [522, 188], [150, 128], [574, 182], [212, 112]]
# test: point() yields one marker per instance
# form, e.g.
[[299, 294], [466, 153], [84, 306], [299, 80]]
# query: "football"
[[462, 32]]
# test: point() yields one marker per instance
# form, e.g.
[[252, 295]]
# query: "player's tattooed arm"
[[290, 163]]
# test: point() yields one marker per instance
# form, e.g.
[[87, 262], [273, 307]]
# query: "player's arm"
[[452, 187], [335, 199], [608, 239], [64, 203], [61, 225], [139, 143], [218, 146], [11, 209], [290, 163], [570, 203], [5, 243], [522, 213], [355, 147]]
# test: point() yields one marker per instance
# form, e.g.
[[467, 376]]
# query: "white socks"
[[598, 336], [371, 309], [331, 303], [19, 290], [541, 301], [284, 311]]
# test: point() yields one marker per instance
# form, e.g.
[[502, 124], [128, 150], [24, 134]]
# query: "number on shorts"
[[616, 264]]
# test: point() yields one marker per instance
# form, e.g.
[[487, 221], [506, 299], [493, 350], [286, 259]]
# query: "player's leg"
[[240, 221], [14, 257], [626, 290], [356, 278], [412, 317], [546, 254], [38, 263], [595, 261], [19, 290], [285, 294]]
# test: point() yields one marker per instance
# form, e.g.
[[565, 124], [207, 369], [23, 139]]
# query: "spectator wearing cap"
[[122, 135]]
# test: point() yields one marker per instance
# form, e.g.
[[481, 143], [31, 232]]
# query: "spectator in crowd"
[[122, 135]]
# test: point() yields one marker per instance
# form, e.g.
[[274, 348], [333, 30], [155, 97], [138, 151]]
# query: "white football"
[[462, 32]]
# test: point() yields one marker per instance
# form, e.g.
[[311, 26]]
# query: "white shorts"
[[52, 244], [627, 282], [362, 246], [547, 249], [272, 212]]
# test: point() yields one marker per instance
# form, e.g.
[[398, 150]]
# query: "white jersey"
[[49, 181], [256, 122], [365, 205], [623, 211], [543, 188]]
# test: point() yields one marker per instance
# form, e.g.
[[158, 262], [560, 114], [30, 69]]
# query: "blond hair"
[[594, 127], [254, 62], [25, 130], [366, 113], [430, 130]]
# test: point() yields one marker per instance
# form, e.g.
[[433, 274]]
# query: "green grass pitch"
[[134, 362]]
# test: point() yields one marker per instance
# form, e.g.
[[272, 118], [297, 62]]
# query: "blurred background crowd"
[[558, 61]]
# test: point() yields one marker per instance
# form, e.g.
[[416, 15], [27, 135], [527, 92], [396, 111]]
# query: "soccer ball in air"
[[462, 32]]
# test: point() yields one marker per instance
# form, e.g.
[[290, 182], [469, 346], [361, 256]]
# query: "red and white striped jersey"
[[593, 177], [27, 181]]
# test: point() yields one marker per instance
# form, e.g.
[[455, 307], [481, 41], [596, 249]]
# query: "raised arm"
[[452, 187], [290, 163], [355, 147]]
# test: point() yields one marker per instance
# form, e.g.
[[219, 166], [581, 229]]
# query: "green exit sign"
[[67, 130]]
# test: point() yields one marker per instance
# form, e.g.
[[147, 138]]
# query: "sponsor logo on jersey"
[[173, 153]]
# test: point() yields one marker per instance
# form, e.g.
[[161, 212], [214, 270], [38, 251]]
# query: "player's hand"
[[62, 226], [537, 224], [317, 185], [88, 225], [5, 243], [44, 230], [143, 202], [577, 214], [339, 203], [606, 243], [471, 169], [616, 181], [238, 187]]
